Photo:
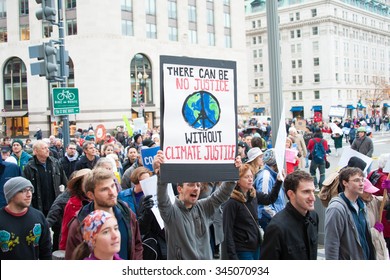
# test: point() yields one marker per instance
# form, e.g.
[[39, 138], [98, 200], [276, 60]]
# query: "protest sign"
[[348, 153], [148, 155], [199, 119], [149, 187]]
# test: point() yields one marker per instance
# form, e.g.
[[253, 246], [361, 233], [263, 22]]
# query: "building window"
[[299, 48], [316, 94], [254, 53], [47, 29], [315, 46], [291, 15], [127, 28], [313, 12], [315, 30], [297, 16], [191, 13], [172, 10], [261, 68], [254, 40], [193, 36], [253, 24], [259, 39], [316, 78], [256, 97], [298, 33], [316, 61], [151, 31], [3, 35], [210, 17], [23, 5], [256, 82], [300, 79], [228, 41], [15, 85], [24, 32], [294, 79], [211, 38], [172, 31], [292, 48], [294, 95], [299, 63], [141, 80], [226, 17], [255, 69], [293, 64], [300, 97], [292, 34], [71, 4], [150, 7], [260, 53], [3, 9], [258, 23], [71, 27]]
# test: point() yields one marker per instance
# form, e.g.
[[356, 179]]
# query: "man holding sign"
[[187, 220]]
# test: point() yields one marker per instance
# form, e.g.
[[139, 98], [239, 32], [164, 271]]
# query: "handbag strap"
[[250, 213]]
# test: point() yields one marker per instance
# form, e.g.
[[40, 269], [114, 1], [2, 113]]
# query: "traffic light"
[[135, 96], [48, 64], [51, 64], [141, 96], [47, 12]]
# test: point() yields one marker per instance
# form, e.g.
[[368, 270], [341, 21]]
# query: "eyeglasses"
[[26, 190], [358, 180]]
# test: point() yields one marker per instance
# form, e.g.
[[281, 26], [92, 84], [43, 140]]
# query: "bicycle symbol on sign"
[[66, 94]]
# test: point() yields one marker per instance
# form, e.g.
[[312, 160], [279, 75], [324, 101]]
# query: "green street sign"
[[65, 101]]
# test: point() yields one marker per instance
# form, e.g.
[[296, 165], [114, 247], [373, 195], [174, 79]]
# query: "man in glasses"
[[347, 234], [24, 231]]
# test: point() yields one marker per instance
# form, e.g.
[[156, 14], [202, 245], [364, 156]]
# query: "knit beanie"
[[269, 157], [17, 141], [14, 185]]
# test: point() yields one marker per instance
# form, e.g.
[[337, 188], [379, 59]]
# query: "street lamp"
[[141, 94]]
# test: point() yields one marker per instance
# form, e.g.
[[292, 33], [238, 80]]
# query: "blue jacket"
[[264, 181], [22, 161], [8, 170]]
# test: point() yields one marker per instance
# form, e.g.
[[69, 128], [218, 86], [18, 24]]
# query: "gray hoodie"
[[187, 230]]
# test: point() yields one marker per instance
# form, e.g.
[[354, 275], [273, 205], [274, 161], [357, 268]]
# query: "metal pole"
[[61, 33], [275, 75]]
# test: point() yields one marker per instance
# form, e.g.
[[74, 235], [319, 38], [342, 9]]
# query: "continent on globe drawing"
[[201, 110]]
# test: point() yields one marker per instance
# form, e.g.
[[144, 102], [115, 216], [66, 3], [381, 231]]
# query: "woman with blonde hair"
[[242, 232]]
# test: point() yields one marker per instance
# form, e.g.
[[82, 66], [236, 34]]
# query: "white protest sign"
[[348, 153], [280, 145], [149, 187], [386, 169]]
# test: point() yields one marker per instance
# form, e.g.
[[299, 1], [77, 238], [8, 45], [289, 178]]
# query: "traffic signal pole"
[[63, 72]]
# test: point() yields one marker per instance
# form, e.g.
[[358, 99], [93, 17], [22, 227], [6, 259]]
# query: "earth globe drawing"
[[201, 110]]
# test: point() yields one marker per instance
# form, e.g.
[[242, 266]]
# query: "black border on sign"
[[179, 173]]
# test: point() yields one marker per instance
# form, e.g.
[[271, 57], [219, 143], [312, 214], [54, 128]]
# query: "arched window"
[[15, 85], [15, 123], [141, 80]]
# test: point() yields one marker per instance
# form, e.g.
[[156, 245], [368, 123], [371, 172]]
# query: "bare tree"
[[374, 97]]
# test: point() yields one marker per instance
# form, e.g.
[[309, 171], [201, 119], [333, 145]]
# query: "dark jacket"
[[56, 212], [83, 162], [291, 236], [240, 228], [68, 165], [31, 173], [122, 211]]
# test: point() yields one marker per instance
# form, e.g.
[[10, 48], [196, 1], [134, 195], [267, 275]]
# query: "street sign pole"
[[61, 33]]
